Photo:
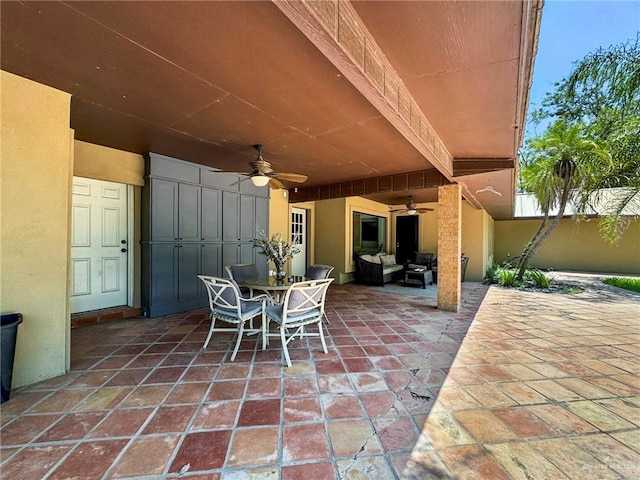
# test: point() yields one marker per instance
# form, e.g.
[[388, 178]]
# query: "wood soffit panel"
[[374, 75]]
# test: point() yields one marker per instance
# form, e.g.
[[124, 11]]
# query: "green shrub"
[[507, 277], [537, 278], [491, 275], [632, 284]]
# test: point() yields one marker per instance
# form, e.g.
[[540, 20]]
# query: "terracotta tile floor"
[[518, 385]]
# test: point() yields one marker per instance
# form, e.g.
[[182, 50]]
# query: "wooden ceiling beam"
[[370, 186], [472, 166]]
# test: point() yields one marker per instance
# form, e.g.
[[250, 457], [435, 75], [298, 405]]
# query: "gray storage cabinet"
[[194, 222]]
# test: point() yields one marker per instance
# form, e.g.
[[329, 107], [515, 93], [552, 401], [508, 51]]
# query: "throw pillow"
[[375, 259], [388, 260], [366, 258]]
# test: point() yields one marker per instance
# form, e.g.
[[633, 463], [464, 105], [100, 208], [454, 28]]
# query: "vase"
[[279, 273]]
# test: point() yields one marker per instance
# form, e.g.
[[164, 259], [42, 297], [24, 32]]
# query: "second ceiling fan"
[[262, 173], [412, 208]]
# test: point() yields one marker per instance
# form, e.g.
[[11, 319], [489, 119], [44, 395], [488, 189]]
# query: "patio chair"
[[419, 259], [228, 305], [464, 261], [303, 305], [241, 273], [318, 272]]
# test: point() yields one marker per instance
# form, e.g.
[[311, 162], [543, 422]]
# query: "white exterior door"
[[99, 245], [299, 236]]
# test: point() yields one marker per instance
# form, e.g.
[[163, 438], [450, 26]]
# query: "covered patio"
[[372, 101], [515, 385]]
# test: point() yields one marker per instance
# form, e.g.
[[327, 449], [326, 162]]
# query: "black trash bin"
[[8, 332]]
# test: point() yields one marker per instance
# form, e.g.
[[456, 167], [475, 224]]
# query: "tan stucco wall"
[[428, 225], [476, 236], [330, 235], [278, 212], [571, 246], [280, 219], [489, 230], [103, 163], [36, 172]]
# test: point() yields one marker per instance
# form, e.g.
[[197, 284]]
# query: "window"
[[369, 233]]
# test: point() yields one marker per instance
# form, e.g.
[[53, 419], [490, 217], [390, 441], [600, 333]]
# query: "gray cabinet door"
[[196, 222], [230, 254], [230, 216], [211, 259], [247, 218], [189, 212], [164, 267], [188, 269], [164, 214], [211, 215], [261, 263], [247, 254], [234, 253]]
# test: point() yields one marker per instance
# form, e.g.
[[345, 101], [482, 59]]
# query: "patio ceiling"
[[341, 92]]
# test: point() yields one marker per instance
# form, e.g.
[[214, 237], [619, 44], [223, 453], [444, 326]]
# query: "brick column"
[[449, 247]]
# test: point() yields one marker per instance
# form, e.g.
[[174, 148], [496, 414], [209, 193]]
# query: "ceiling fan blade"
[[241, 179], [292, 177], [275, 184], [424, 210], [399, 210], [227, 172]]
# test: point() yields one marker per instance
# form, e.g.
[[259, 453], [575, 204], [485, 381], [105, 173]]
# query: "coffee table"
[[418, 276]]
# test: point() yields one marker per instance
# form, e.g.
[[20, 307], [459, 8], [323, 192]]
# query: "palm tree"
[[555, 168], [613, 188], [593, 143]]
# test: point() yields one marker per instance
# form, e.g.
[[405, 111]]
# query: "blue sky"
[[570, 30]]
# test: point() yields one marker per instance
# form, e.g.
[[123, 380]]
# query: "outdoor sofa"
[[377, 269]]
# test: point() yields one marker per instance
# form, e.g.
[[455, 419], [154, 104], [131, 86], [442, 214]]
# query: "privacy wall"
[[571, 246]]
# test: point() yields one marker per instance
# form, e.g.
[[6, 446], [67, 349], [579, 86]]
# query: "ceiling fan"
[[262, 173], [411, 208]]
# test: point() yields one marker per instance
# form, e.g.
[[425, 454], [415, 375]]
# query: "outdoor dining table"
[[276, 288]]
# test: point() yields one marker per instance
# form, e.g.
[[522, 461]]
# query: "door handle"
[[123, 241], [123, 250]]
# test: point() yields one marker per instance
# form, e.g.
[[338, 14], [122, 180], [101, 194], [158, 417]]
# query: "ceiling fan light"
[[411, 211], [259, 180]]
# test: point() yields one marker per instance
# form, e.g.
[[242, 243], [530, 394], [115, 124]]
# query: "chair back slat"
[[223, 293], [305, 296]]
